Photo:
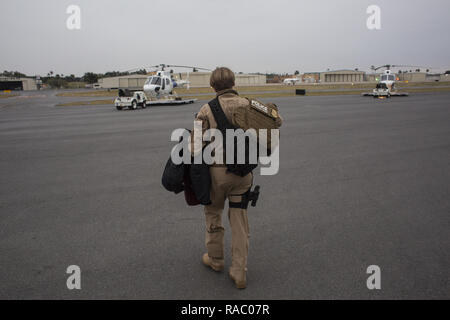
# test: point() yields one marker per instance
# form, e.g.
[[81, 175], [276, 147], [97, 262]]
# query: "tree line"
[[62, 81]]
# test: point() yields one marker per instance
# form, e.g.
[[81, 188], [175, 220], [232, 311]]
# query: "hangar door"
[[11, 85]]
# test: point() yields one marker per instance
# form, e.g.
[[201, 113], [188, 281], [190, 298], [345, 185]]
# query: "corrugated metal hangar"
[[342, 76], [201, 79], [334, 76]]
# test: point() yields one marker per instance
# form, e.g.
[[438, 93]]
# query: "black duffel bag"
[[172, 178], [194, 179], [201, 182]]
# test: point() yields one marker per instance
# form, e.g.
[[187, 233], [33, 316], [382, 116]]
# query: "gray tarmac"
[[362, 182]]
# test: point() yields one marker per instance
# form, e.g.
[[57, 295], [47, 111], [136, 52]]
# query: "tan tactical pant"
[[228, 186]]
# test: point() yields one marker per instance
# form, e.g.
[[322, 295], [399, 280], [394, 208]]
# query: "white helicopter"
[[161, 84], [157, 89], [386, 86]]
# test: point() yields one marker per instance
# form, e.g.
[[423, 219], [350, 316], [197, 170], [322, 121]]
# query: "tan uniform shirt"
[[229, 101]]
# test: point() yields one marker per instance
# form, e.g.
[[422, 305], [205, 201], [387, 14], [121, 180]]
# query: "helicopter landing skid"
[[171, 101], [399, 94], [392, 94]]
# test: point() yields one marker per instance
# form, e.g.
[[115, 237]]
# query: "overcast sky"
[[246, 35]]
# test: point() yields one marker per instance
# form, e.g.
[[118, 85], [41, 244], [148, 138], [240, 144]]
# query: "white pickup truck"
[[130, 99]]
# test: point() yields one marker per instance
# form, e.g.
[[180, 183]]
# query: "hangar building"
[[196, 79], [334, 76], [201, 79], [7, 83], [342, 76], [422, 77]]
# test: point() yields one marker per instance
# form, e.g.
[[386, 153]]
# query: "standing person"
[[226, 185]]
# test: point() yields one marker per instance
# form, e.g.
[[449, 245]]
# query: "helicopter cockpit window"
[[391, 77], [167, 82], [381, 85], [148, 80], [156, 80], [383, 78]]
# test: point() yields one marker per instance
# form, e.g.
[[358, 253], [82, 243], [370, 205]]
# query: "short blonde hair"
[[222, 78]]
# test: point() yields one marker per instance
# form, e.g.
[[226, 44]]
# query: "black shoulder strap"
[[219, 115]]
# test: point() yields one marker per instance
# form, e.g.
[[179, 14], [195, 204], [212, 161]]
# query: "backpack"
[[258, 115]]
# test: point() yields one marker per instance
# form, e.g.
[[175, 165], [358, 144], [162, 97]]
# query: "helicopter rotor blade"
[[409, 66], [163, 66], [188, 67], [389, 66], [405, 66]]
